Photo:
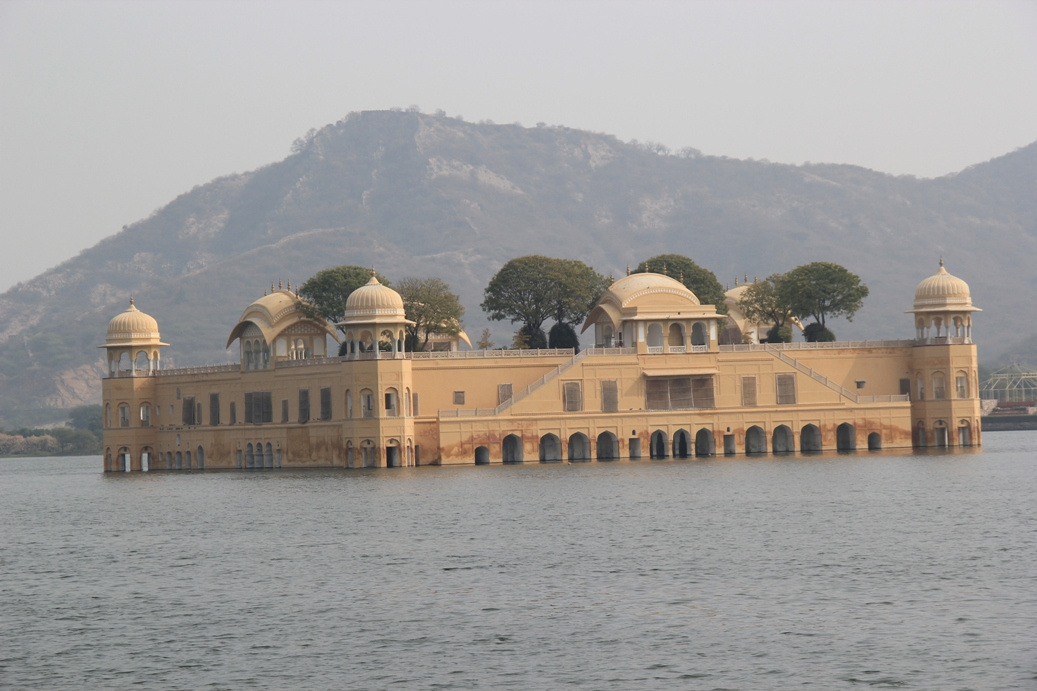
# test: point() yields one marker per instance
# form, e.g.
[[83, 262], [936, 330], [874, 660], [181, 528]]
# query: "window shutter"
[[573, 396], [748, 391], [609, 396], [503, 393], [786, 389]]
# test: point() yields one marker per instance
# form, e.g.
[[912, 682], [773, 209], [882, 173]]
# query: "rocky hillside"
[[423, 195]]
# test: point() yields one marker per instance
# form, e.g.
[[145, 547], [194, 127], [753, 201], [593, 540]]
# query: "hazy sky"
[[109, 110]]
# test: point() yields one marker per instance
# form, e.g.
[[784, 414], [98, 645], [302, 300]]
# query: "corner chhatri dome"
[[132, 327], [273, 314], [942, 292], [374, 299]]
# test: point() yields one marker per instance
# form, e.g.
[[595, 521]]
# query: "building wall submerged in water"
[[656, 384]]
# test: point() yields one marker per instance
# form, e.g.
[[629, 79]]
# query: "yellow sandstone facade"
[[655, 384]]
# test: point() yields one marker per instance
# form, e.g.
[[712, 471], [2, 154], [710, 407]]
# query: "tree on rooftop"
[[698, 280], [533, 289], [327, 290], [433, 308], [824, 289], [769, 302]]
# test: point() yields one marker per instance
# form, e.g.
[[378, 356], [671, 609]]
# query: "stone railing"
[[830, 345]]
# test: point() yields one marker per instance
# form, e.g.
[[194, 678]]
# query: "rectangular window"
[[259, 407], [702, 392], [145, 416], [284, 411], [325, 403], [961, 384], [214, 409], [459, 398], [233, 413], [786, 385], [679, 393], [187, 412], [503, 393], [415, 408], [124, 415], [390, 404], [367, 403], [748, 391], [304, 405], [572, 392], [609, 396], [939, 392]]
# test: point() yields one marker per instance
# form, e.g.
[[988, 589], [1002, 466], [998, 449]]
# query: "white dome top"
[[374, 298], [941, 292], [132, 327]]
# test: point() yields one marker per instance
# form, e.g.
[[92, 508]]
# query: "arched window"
[[939, 386], [845, 437], [961, 384], [367, 403], [124, 415], [755, 440], [676, 336], [392, 399], [608, 446], [655, 335], [145, 415], [698, 334], [550, 448], [349, 403], [579, 447]]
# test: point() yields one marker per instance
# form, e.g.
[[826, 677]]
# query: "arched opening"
[[350, 454], [511, 449], [141, 364], [782, 440], [250, 457], [179, 461], [268, 456], [240, 459], [681, 444], [659, 444], [874, 441], [124, 460], [608, 446], [146, 456], [705, 444], [200, 457], [920, 435], [964, 433], [392, 454], [810, 439], [940, 434], [349, 404], [550, 448], [482, 455], [368, 457], [109, 465], [187, 460], [655, 335], [367, 403], [755, 440], [169, 460], [845, 437], [607, 335], [675, 339], [698, 334], [579, 447]]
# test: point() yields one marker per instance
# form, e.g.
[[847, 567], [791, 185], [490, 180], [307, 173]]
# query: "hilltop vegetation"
[[421, 195]]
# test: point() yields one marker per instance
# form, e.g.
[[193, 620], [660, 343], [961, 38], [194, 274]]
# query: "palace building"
[[656, 383]]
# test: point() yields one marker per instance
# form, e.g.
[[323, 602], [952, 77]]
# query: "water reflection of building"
[[657, 383]]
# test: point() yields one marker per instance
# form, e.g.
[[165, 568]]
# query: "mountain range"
[[412, 194]]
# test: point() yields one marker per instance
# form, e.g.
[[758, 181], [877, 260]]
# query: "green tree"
[[433, 309], [769, 302], [533, 289], [563, 335], [824, 289], [698, 280], [327, 290], [485, 341]]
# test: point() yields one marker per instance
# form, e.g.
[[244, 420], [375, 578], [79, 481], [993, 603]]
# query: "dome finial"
[[289, 286], [941, 260], [131, 301]]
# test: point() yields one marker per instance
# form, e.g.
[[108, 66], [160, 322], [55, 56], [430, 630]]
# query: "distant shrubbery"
[[80, 437]]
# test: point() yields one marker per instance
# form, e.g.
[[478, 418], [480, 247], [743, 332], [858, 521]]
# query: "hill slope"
[[414, 194]]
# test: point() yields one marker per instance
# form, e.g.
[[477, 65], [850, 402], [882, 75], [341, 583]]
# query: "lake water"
[[883, 570]]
